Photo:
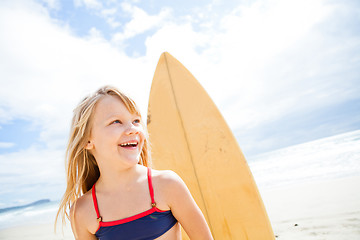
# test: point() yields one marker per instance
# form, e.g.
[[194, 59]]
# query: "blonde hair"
[[82, 170]]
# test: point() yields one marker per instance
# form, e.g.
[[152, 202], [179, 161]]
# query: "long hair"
[[82, 170]]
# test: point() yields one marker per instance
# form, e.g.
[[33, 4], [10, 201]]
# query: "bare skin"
[[122, 189]]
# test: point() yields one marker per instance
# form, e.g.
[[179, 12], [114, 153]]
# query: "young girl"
[[111, 190]]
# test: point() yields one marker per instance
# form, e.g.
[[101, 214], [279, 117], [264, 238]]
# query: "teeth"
[[128, 144]]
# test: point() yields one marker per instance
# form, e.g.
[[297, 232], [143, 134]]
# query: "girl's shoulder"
[[165, 176], [171, 190], [167, 180], [83, 203]]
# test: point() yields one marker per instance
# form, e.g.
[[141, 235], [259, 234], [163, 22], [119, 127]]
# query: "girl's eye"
[[137, 121], [116, 121]]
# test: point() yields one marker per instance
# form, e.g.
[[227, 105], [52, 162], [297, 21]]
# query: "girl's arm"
[[185, 209]]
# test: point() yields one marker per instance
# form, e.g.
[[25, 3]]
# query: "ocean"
[[323, 159], [328, 158]]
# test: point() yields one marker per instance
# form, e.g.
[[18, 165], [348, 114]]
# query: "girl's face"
[[117, 136]]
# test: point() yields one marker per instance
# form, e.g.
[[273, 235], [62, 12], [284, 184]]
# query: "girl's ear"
[[89, 145]]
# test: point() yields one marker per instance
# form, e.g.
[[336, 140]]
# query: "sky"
[[281, 72]]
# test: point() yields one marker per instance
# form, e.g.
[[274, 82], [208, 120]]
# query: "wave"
[[328, 158], [36, 203]]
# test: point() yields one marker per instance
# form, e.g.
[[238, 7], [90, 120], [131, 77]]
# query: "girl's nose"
[[132, 129]]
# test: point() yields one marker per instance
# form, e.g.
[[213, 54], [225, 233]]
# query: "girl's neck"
[[122, 179]]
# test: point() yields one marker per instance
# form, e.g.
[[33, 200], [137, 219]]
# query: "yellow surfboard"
[[189, 135]]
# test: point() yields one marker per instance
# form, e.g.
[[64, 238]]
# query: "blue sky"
[[281, 72]]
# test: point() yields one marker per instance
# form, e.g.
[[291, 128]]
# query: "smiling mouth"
[[129, 144]]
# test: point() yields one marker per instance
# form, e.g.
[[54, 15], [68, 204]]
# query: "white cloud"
[[140, 22], [92, 4], [269, 47], [178, 39], [5, 117], [6, 144], [112, 22], [108, 11], [110, 16], [52, 4], [95, 34]]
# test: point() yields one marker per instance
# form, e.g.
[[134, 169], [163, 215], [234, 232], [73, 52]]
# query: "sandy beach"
[[318, 210], [36, 232]]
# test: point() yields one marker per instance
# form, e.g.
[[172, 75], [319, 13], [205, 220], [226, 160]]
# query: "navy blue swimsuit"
[[147, 225]]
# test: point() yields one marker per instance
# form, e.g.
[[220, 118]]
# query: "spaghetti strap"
[[153, 204], [95, 203]]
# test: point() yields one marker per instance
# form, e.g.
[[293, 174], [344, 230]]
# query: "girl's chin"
[[132, 160]]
